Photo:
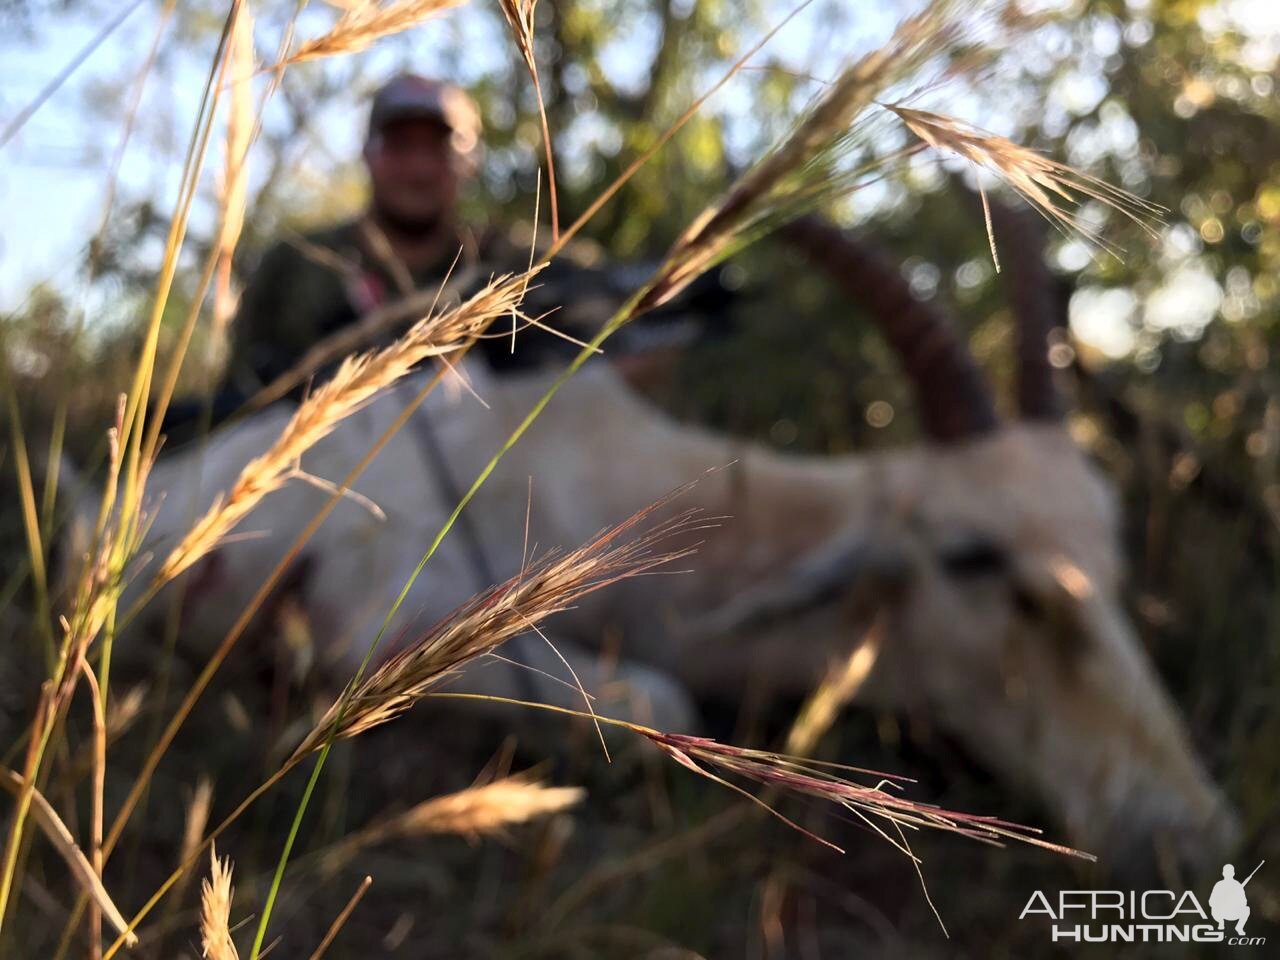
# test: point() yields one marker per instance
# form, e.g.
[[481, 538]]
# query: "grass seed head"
[[802, 169], [364, 22], [216, 894], [358, 380], [484, 809], [488, 808], [883, 811], [489, 619], [1054, 189]]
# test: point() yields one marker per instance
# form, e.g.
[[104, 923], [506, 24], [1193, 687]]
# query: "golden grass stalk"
[[800, 170], [483, 809], [341, 918], [364, 22], [489, 619], [96, 607], [122, 712], [834, 693], [356, 382], [216, 894], [47, 819], [136, 464], [93, 606], [520, 14], [480, 810], [243, 125], [1044, 183], [233, 186], [98, 750], [197, 816], [96, 588]]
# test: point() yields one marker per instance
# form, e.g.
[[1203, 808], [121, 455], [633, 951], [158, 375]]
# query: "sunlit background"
[[1112, 88], [1172, 366]]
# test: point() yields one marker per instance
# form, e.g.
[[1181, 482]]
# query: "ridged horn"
[[954, 400]]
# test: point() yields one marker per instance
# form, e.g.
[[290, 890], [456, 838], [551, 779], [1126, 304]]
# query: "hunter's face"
[[415, 173]]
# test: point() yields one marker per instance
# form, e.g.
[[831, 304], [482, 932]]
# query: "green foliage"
[[1171, 99]]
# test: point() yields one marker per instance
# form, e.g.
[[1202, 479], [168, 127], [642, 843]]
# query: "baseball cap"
[[408, 95]]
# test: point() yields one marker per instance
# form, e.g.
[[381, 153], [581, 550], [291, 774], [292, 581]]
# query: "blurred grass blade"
[[27, 112], [341, 919], [47, 819], [30, 520]]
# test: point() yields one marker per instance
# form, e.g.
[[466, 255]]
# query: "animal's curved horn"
[[955, 401], [1036, 301]]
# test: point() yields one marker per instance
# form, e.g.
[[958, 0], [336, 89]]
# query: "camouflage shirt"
[[306, 289]]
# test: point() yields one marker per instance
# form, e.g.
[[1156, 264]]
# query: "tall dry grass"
[[801, 171]]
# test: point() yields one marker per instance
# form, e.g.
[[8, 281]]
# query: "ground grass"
[[658, 860]]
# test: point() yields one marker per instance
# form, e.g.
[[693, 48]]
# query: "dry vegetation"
[[80, 628]]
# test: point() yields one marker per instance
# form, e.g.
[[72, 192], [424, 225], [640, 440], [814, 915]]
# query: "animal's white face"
[[1005, 620], [1008, 627], [994, 569]]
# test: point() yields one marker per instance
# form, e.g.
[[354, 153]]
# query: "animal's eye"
[[1027, 603], [973, 557]]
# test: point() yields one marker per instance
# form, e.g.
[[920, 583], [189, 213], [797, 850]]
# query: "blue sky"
[[53, 174]]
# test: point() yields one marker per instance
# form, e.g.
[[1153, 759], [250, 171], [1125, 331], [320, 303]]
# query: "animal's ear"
[[842, 569]]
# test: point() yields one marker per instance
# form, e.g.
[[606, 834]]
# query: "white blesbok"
[[988, 558]]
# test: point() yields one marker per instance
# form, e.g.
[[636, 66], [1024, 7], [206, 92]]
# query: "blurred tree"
[[1175, 100]]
